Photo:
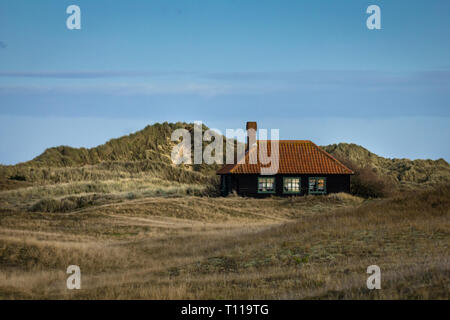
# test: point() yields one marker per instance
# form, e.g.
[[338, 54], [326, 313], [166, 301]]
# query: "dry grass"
[[187, 247], [63, 197]]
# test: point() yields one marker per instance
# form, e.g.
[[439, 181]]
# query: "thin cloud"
[[2, 45], [286, 80], [217, 84], [339, 77], [200, 89], [87, 74]]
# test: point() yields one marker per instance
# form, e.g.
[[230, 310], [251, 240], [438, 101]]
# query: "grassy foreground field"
[[178, 246]]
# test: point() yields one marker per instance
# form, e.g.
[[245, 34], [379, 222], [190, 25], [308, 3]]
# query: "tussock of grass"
[[68, 204], [345, 197], [72, 203]]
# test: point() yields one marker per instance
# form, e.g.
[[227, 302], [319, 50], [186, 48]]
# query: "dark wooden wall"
[[247, 184]]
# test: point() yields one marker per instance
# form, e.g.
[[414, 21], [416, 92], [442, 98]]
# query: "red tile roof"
[[295, 157]]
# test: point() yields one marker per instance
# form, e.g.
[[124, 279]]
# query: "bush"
[[212, 190], [367, 183], [67, 204], [46, 205]]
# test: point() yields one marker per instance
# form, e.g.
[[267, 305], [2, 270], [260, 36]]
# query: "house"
[[303, 168]]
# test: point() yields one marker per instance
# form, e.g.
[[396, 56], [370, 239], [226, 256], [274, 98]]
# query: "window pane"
[[269, 185], [317, 185], [266, 184], [312, 184], [321, 184], [292, 184]]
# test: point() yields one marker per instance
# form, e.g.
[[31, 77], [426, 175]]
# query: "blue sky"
[[310, 68]]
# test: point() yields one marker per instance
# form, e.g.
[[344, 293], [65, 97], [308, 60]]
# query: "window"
[[291, 185], [266, 185], [317, 185]]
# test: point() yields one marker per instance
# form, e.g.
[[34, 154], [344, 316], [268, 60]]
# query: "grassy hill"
[[149, 150], [134, 166], [152, 143], [400, 171]]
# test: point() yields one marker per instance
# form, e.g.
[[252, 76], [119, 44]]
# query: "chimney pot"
[[252, 125], [251, 135]]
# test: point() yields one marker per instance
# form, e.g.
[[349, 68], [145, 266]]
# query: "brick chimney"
[[251, 134]]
